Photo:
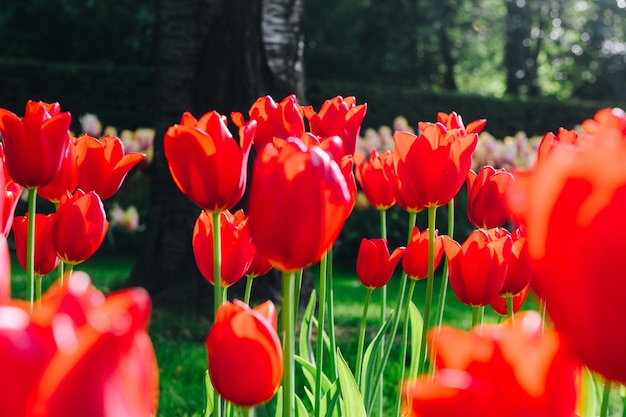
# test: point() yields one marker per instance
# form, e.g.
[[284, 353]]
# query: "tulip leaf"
[[308, 369], [278, 412], [352, 404], [417, 324], [588, 403], [372, 362], [300, 408], [328, 406], [208, 395], [306, 350]]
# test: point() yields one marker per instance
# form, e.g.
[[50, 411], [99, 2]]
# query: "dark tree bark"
[[211, 54]]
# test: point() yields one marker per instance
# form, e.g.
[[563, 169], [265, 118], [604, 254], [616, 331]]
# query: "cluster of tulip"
[[523, 367], [70, 351]]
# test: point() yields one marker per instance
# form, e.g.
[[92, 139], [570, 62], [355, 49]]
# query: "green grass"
[[179, 338]]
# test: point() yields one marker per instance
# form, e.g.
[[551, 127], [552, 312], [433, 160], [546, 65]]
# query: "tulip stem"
[[38, 285], [509, 307], [289, 390], [61, 273], [30, 247], [606, 392], [441, 303], [359, 357], [383, 311], [319, 345], [68, 272], [330, 301], [248, 412], [217, 289], [296, 292], [430, 280], [405, 339], [475, 315], [246, 296]]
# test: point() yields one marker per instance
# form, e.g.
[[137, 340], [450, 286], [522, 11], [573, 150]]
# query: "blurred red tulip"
[[455, 121], [5, 272], [572, 205], [205, 161], [80, 354], [35, 144], [338, 117], [478, 267], [415, 260], [80, 226], [101, 165], [274, 120], [608, 123], [259, 265], [298, 203], [431, 168], [236, 246], [512, 370], [486, 204], [10, 192], [374, 265], [563, 137], [376, 178], [241, 332], [519, 272], [46, 258]]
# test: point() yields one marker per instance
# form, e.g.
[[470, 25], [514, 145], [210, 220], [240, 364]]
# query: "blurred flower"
[[10, 192], [374, 265], [519, 272], [564, 137], [90, 124], [415, 260], [126, 219], [240, 332], [46, 259], [514, 370]]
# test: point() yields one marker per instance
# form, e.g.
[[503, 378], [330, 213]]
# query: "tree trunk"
[[210, 55]]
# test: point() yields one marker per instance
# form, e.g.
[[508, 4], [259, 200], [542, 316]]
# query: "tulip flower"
[[519, 272], [375, 176], [499, 303], [206, 163], [431, 168], [338, 117], [237, 249], [512, 370], [81, 354], [274, 120], [35, 144], [455, 121], [80, 226], [259, 265], [564, 137], [101, 165], [478, 267], [415, 260], [241, 332], [572, 206], [374, 265], [46, 258], [607, 123], [486, 205], [64, 183], [10, 192], [309, 204]]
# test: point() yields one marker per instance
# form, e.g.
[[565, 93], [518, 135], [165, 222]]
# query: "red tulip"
[[5, 272], [374, 265], [80, 226], [237, 249], [205, 161], [564, 137], [415, 261], [10, 192], [376, 178], [241, 332], [455, 121], [64, 183], [259, 265], [338, 117], [432, 167], [519, 272], [35, 145], [298, 204], [101, 165], [609, 124], [478, 267], [499, 303], [512, 370], [573, 205], [80, 354], [274, 120], [486, 205], [46, 258]]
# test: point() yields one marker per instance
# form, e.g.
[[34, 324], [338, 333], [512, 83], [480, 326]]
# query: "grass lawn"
[[179, 339]]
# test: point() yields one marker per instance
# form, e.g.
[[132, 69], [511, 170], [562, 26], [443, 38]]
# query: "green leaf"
[[372, 362], [588, 395], [209, 392], [305, 346], [417, 324], [352, 402], [308, 370], [300, 408], [328, 406]]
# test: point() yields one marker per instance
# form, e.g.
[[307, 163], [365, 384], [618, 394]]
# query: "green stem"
[[359, 357], [296, 292], [330, 302], [248, 412], [606, 392], [68, 271], [475, 315], [319, 346], [509, 307], [246, 296], [217, 289], [383, 313], [405, 339], [289, 345], [430, 281], [224, 294], [30, 247], [542, 312], [61, 273], [39, 285]]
